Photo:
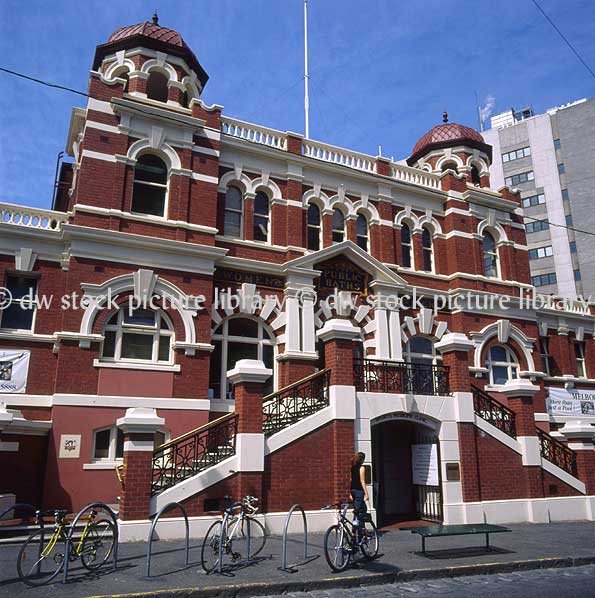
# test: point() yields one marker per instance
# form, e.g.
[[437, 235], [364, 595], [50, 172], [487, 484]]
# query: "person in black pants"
[[358, 492]]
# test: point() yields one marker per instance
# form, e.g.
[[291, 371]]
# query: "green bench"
[[436, 531]]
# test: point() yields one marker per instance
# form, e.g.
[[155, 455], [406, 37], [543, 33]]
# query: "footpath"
[[528, 546]]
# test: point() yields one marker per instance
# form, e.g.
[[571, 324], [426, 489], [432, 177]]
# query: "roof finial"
[[445, 117], [155, 18]]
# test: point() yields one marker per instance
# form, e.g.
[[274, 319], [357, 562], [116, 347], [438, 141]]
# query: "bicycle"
[[42, 555], [343, 539], [233, 530]]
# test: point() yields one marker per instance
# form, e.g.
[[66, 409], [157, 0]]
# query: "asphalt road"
[[576, 582]]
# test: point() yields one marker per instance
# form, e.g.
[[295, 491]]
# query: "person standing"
[[358, 492]]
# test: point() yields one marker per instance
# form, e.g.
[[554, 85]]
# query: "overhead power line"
[[179, 121], [574, 50]]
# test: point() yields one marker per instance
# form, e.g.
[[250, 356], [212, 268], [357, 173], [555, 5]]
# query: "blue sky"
[[382, 71]]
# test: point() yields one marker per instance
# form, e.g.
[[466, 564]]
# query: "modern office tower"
[[550, 157]]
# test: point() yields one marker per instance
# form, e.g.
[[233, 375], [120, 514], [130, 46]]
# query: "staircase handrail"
[[506, 422], [557, 452], [198, 430]]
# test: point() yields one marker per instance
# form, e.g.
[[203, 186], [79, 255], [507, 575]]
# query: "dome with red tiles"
[[448, 135], [154, 36]]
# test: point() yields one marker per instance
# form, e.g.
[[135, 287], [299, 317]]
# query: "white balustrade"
[[253, 133], [415, 176], [338, 155], [31, 217]]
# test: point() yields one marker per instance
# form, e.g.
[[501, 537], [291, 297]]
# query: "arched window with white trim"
[[475, 177], [502, 364], [314, 227], [233, 213], [157, 86], [338, 226], [362, 231], [239, 338], [138, 336], [427, 249], [420, 354], [451, 165], [490, 255], [261, 216], [406, 247], [149, 192]]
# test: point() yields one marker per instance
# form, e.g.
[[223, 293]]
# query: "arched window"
[[185, 99], [406, 245], [313, 227], [238, 338], [338, 226], [150, 186], [490, 255], [157, 86], [122, 73], [428, 251], [261, 217], [233, 213], [361, 229], [421, 355], [475, 178], [450, 166], [502, 365], [140, 335]]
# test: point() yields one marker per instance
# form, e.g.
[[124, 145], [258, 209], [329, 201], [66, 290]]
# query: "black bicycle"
[[343, 539]]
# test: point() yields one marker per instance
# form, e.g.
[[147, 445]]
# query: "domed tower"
[[451, 146], [152, 62]]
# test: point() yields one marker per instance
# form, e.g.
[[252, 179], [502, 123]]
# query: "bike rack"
[[228, 511], [20, 505], [292, 568], [114, 518], [154, 524]]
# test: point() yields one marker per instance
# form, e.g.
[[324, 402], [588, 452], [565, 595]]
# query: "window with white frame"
[[108, 444], [579, 351], [420, 353], [19, 301], [490, 255], [544, 351], [361, 229], [540, 252], [233, 213], [516, 154], [138, 336], [518, 179], [314, 228], [261, 216], [502, 365], [239, 338], [149, 191], [428, 251], [338, 226], [406, 246]]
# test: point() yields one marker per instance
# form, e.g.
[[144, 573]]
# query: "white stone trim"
[[138, 446], [250, 452], [128, 365], [98, 156]]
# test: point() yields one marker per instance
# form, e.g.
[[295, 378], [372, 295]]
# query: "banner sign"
[[14, 366], [424, 464], [561, 401]]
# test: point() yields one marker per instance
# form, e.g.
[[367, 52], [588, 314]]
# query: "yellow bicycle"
[[41, 557]]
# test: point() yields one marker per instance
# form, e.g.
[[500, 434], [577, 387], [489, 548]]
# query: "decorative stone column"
[[248, 377], [338, 336], [581, 435], [138, 425]]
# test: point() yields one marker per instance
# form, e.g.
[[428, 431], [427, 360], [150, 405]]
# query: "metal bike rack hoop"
[[86, 508], [154, 524], [284, 566]]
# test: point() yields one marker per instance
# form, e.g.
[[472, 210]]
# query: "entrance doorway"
[[406, 471]]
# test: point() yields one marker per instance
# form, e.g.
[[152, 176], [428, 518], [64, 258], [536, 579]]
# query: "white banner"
[[424, 464], [570, 402], [14, 367]]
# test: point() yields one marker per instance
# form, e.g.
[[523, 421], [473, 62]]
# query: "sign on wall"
[[561, 401], [424, 464], [14, 367], [70, 446]]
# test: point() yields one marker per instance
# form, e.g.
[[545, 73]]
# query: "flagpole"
[[306, 75]]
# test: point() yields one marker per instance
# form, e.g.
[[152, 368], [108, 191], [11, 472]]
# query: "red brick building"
[[238, 309]]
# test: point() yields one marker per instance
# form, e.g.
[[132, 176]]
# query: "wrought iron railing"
[[374, 375], [557, 453], [187, 455], [494, 412], [295, 402]]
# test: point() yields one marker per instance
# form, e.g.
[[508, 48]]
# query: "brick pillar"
[[337, 336], [383, 166], [294, 142], [455, 348], [139, 425], [327, 229], [418, 250], [248, 377], [350, 229], [580, 436], [249, 216]]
